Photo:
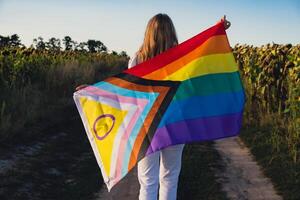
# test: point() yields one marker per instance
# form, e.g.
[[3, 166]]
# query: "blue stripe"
[[203, 106], [150, 96]]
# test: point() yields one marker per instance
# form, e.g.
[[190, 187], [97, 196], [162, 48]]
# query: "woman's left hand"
[[81, 86], [226, 23]]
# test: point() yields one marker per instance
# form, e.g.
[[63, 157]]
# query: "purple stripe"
[[193, 130]]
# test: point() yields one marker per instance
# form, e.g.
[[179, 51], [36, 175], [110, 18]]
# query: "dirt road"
[[242, 177]]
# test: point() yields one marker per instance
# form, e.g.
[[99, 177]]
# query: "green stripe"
[[209, 84]]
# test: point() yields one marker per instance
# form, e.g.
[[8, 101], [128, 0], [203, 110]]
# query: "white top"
[[132, 61]]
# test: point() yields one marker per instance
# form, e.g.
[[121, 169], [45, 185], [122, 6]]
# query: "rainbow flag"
[[191, 92]]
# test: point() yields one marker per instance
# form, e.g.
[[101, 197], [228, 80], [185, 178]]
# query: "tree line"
[[56, 44]]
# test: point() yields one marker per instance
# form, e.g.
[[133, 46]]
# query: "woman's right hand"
[[81, 86], [227, 23]]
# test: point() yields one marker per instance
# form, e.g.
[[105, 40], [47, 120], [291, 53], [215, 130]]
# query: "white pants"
[[163, 168]]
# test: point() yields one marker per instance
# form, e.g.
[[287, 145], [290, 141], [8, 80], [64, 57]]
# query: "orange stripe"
[[162, 90], [214, 45], [148, 121]]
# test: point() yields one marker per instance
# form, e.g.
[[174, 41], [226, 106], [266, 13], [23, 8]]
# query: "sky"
[[120, 25]]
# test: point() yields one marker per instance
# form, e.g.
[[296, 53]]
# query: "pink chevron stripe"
[[125, 137], [101, 92], [141, 105]]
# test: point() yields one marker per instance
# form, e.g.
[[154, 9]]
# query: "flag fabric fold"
[[190, 93]]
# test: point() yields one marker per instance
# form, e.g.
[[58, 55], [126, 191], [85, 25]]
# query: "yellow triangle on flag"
[[104, 121]]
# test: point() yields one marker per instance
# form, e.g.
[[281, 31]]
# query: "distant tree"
[[39, 43], [15, 41], [69, 43], [91, 45], [123, 54], [10, 41], [53, 44], [4, 41], [96, 46], [114, 53], [103, 48]]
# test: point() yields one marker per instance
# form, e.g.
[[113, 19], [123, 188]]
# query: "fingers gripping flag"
[[191, 92]]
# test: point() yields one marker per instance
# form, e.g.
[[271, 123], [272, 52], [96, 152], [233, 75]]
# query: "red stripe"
[[176, 52]]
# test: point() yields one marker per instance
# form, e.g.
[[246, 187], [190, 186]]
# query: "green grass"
[[276, 161]]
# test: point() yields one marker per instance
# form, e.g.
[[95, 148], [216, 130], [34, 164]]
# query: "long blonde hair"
[[160, 35]]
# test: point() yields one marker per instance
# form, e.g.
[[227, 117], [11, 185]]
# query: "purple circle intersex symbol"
[[100, 117]]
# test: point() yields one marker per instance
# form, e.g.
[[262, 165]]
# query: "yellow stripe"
[[211, 64], [214, 45]]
